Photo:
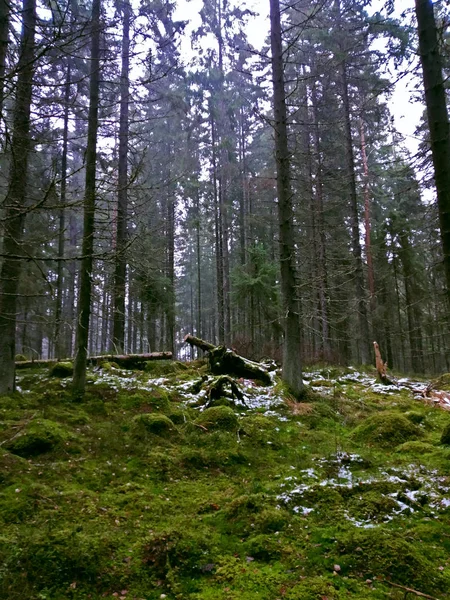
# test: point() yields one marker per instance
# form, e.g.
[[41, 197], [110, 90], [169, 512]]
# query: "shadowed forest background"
[[146, 165]]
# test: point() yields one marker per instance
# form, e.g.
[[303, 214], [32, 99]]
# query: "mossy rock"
[[445, 437], [415, 447], [61, 370], [155, 423], [39, 436], [218, 417], [386, 429], [20, 358]]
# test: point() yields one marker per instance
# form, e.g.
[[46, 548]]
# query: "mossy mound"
[[20, 358], [155, 423], [218, 417], [445, 437], [376, 552], [38, 436], [442, 382], [184, 551], [109, 366], [415, 416], [415, 447], [159, 368], [263, 547], [61, 370], [386, 429], [155, 401]]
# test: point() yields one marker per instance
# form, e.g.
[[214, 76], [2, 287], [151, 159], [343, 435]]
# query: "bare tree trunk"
[[122, 199], [322, 261], [5, 9], [59, 341], [14, 204], [292, 372], [365, 353], [84, 297], [218, 240], [370, 271], [438, 121]]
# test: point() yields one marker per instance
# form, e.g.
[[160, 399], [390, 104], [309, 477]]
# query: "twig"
[[410, 590]]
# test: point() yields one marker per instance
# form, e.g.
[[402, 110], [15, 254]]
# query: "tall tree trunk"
[[292, 372], [84, 297], [438, 121], [367, 232], [59, 340], [364, 346], [218, 239], [5, 8], [322, 260], [122, 196], [412, 299], [14, 204]]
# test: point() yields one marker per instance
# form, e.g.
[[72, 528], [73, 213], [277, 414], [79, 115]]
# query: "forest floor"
[[137, 493]]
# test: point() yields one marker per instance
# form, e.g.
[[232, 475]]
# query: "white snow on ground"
[[418, 489]]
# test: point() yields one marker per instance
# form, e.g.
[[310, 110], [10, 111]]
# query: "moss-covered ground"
[[136, 493]]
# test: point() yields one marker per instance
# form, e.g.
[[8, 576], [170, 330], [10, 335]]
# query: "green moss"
[[20, 358], [313, 588], [218, 417], [157, 424], [38, 436], [416, 447], [375, 553], [61, 370], [263, 547], [445, 437], [415, 416], [157, 401], [386, 429]]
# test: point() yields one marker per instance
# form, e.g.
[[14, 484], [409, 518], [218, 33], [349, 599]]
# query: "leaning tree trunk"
[[14, 204], [84, 297], [292, 372], [122, 197], [438, 121]]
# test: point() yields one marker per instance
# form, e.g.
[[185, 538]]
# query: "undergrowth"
[[136, 494]]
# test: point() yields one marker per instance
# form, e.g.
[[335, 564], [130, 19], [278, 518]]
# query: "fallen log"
[[223, 361], [130, 361]]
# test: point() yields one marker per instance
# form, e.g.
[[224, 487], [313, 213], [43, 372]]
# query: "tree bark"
[[15, 201], [122, 195], [438, 121], [84, 297], [292, 371]]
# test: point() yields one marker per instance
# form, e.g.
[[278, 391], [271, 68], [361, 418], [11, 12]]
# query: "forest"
[[143, 199], [224, 300]]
